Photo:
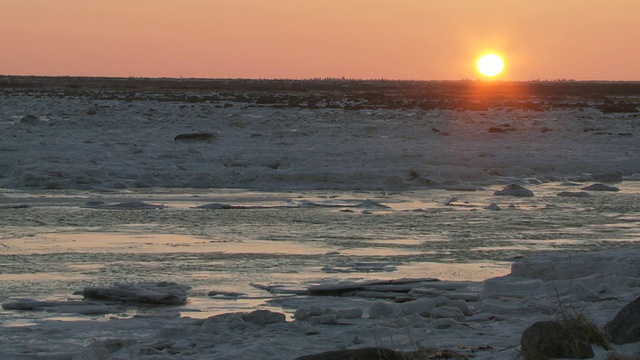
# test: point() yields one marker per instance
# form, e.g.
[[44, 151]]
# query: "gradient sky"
[[365, 39]]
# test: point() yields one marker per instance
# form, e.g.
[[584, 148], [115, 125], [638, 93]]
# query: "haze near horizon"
[[406, 39]]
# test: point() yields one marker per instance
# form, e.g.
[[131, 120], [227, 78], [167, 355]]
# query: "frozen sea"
[[95, 191], [66, 240]]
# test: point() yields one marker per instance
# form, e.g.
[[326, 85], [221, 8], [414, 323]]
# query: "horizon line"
[[328, 78]]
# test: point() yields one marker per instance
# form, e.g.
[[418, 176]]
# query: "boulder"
[[264, 317], [30, 120], [216, 206], [370, 204], [624, 328], [499, 130], [600, 187], [493, 206], [573, 194], [362, 354], [136, 204], [552, 339], [514, 190], [195, 137]]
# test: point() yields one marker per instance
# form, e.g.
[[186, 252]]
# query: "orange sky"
[[391, 39]]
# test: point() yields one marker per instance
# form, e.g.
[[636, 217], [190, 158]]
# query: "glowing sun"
[[490, 65]]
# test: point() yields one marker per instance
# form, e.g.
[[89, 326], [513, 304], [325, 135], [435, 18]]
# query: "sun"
[[490, 65]]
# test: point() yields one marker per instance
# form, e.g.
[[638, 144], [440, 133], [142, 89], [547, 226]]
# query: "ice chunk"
[[514, 190], [164, 293]]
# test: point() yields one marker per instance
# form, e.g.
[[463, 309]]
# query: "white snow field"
[[287, 222]]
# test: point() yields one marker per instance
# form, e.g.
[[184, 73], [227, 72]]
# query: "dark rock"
[[552, 339], [264, 317], [30, 120], [18, 206], [498, 130], [370, 204], [24, 304], [570, 183], [624, 328], [215, 206], [135, 204], [574, 194], [195, 137], [493, 206], [600, 187], [363, 354], [514, 190], [127, 205]]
